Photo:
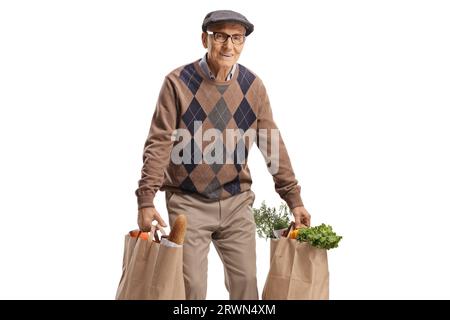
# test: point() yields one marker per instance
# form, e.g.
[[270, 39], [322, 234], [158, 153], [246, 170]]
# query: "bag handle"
[[153, 231], [291, 226]]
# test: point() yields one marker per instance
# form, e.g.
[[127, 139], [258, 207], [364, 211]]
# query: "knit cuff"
[[293, 199], [145, 201]]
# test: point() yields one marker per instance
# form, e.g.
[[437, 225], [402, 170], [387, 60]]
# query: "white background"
[[359, 89]]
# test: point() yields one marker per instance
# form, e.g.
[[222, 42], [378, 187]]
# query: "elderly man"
[[203, 102]]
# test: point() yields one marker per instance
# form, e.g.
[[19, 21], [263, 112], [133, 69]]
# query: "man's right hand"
[[146, 216]]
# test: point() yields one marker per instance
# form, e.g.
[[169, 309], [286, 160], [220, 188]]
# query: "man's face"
[[223, 55]]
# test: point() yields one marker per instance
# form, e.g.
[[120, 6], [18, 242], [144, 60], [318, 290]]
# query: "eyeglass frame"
[[213, 33]]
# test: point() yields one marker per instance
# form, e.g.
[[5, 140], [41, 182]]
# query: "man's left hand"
[[301, 216]]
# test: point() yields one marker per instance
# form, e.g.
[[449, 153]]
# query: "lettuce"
[[321, 236]]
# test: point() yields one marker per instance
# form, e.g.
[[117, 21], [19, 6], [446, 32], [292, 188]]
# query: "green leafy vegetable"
[[269, 219], [320, 236]]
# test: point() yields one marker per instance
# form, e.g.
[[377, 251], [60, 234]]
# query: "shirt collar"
[[204, 65]]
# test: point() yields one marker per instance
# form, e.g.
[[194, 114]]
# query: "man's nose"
[[228, 44]]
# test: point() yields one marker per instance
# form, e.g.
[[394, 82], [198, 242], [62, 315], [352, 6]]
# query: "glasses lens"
[[220, 37], [237, 38]]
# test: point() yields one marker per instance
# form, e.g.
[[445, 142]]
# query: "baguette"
[[178, 230]]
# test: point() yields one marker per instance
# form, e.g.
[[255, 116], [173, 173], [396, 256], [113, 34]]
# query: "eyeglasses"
[[223, 37]]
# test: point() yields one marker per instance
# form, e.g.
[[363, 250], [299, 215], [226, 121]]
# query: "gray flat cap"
[[221, 16]]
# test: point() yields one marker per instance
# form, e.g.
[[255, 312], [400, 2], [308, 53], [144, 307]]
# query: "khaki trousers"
[[230, 224]]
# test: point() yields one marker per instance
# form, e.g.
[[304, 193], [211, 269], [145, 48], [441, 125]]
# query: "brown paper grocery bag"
[[168, 280], [298, 271], [151, 271]]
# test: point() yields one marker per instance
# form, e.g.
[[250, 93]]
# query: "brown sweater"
[[193, 103]]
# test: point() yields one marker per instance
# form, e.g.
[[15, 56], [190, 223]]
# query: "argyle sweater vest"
[[214, 117]]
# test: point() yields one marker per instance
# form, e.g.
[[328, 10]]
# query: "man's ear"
[[205, 40]]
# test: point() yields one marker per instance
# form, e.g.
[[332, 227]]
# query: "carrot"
[[136, 233]]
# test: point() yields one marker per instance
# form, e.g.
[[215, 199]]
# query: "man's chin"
[[226, 64]]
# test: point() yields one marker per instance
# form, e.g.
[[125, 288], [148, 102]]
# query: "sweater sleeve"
[[158, 145], [271, 145]]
